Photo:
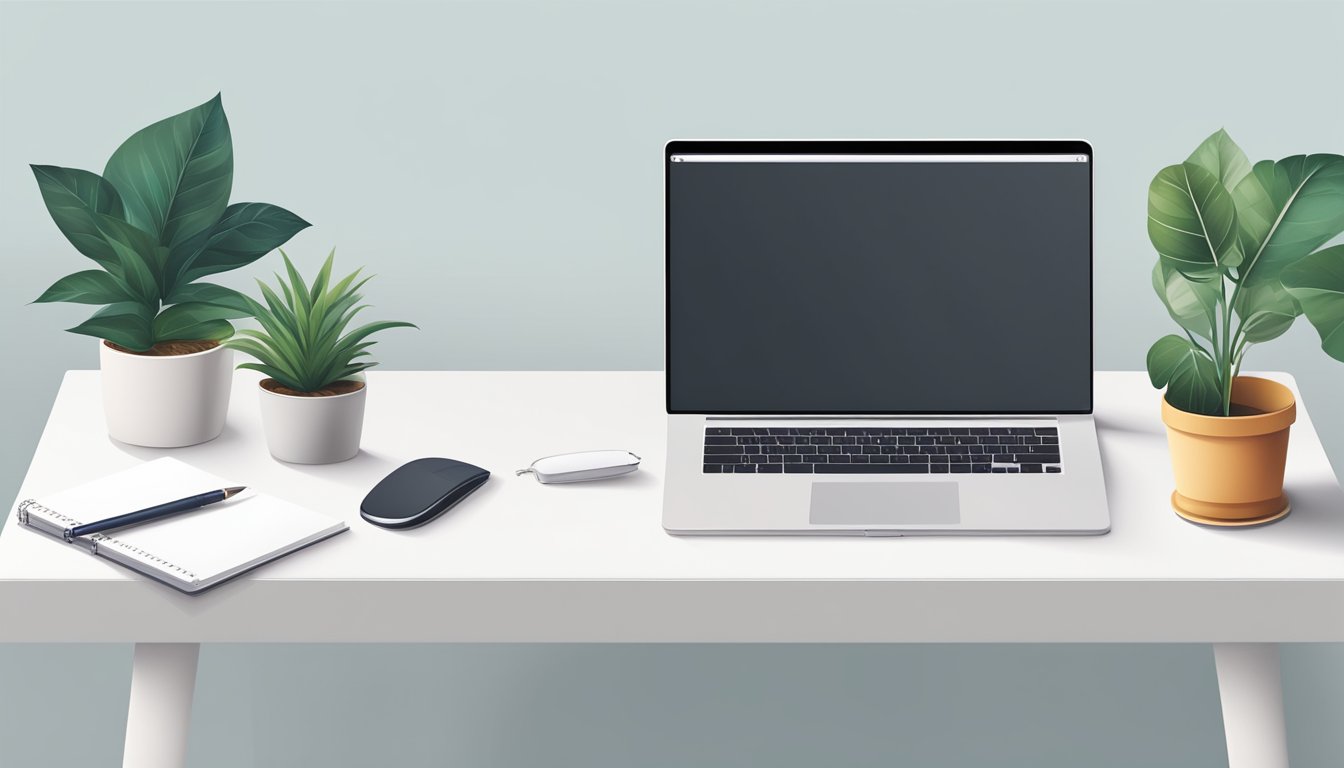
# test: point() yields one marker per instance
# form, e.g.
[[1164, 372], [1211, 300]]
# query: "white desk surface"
[[519, 561]]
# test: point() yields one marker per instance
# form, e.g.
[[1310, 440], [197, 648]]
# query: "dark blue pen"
[[154, 513]]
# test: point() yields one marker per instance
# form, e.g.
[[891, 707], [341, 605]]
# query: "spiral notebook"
[[192, 551]]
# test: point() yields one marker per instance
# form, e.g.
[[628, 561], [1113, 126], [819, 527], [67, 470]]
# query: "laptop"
[[880, 338]]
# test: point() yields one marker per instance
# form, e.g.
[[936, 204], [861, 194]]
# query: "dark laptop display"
[[879, 277]]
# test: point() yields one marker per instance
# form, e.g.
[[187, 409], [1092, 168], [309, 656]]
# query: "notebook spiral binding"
[[28, 504], [98, 539]]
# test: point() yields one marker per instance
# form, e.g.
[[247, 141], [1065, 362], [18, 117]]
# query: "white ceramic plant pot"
[[313, 430], [165, 401]]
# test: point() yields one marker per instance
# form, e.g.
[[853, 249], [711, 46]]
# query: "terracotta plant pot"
[[312, 430], [166, 401], [1229, 469]]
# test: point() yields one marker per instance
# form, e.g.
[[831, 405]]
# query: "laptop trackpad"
[[860, 504]]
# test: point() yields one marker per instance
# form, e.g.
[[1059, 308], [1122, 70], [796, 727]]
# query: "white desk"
[[522, 562]]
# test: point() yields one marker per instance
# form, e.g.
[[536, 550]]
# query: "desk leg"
[[1252, 695], [163, 678]]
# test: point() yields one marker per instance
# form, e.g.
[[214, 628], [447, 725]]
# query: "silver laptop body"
[[880, 338]]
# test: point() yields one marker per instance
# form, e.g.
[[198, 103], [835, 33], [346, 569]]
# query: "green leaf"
[[75, 199], [217, 295], [245, 233], [1287, 210], [1317, 282], [93, 286], [180, 321], [175, 176], [1192, 222], [275, 373], [1220, 156], [126, 324], [1188, 373], [1192, 304], [139, 258], [1266, 311]]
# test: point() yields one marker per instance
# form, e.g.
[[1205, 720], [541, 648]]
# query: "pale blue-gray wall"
[[498, 166]]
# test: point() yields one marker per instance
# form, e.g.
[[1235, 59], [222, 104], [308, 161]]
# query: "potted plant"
[[154, 223], [312, 403], [1239, 258]]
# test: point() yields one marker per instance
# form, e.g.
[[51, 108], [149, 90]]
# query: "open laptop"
[[880, 338]]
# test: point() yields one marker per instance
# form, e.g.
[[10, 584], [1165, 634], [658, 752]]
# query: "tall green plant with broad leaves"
[[302, 343], [154, 223], [1239, 258]]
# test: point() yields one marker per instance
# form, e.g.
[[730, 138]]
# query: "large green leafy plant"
[[1238, 261], [155, 222], [302, 343]]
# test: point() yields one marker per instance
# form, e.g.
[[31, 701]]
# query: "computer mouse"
[[419, 491]]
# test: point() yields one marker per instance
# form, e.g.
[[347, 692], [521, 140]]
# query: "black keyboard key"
[[917, 459], [711, 440], [743, 431], [1052, 431], [1032, 468], [793, 458], [851, 448], [831, 449], [806, 450], [1040, 458], [939, 459], [1013, 470], [961, 468], [718, 431], [797, 468], [1050, 441], [880, 458], [723, 450], [859, 458], [777, 430], [838, 458], [1004, 458], [1021, 431], [934, 468], [747, 468], [980, 468], [999, 470], [724, 459], [1052, 470], [766, 468], [713, 468], [820, 440], [871, 469]]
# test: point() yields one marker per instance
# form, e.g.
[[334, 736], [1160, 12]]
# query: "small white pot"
[[165, 401], [313, 430]]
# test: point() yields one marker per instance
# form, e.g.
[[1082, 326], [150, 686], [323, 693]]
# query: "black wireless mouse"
[[420, 491]]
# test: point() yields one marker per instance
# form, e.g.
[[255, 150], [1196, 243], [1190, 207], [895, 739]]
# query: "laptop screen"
[[879, 277]]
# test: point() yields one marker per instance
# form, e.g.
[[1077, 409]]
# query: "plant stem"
[[1235, 347]]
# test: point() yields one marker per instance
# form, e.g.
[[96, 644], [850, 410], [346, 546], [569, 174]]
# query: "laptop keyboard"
[[882, 450]]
